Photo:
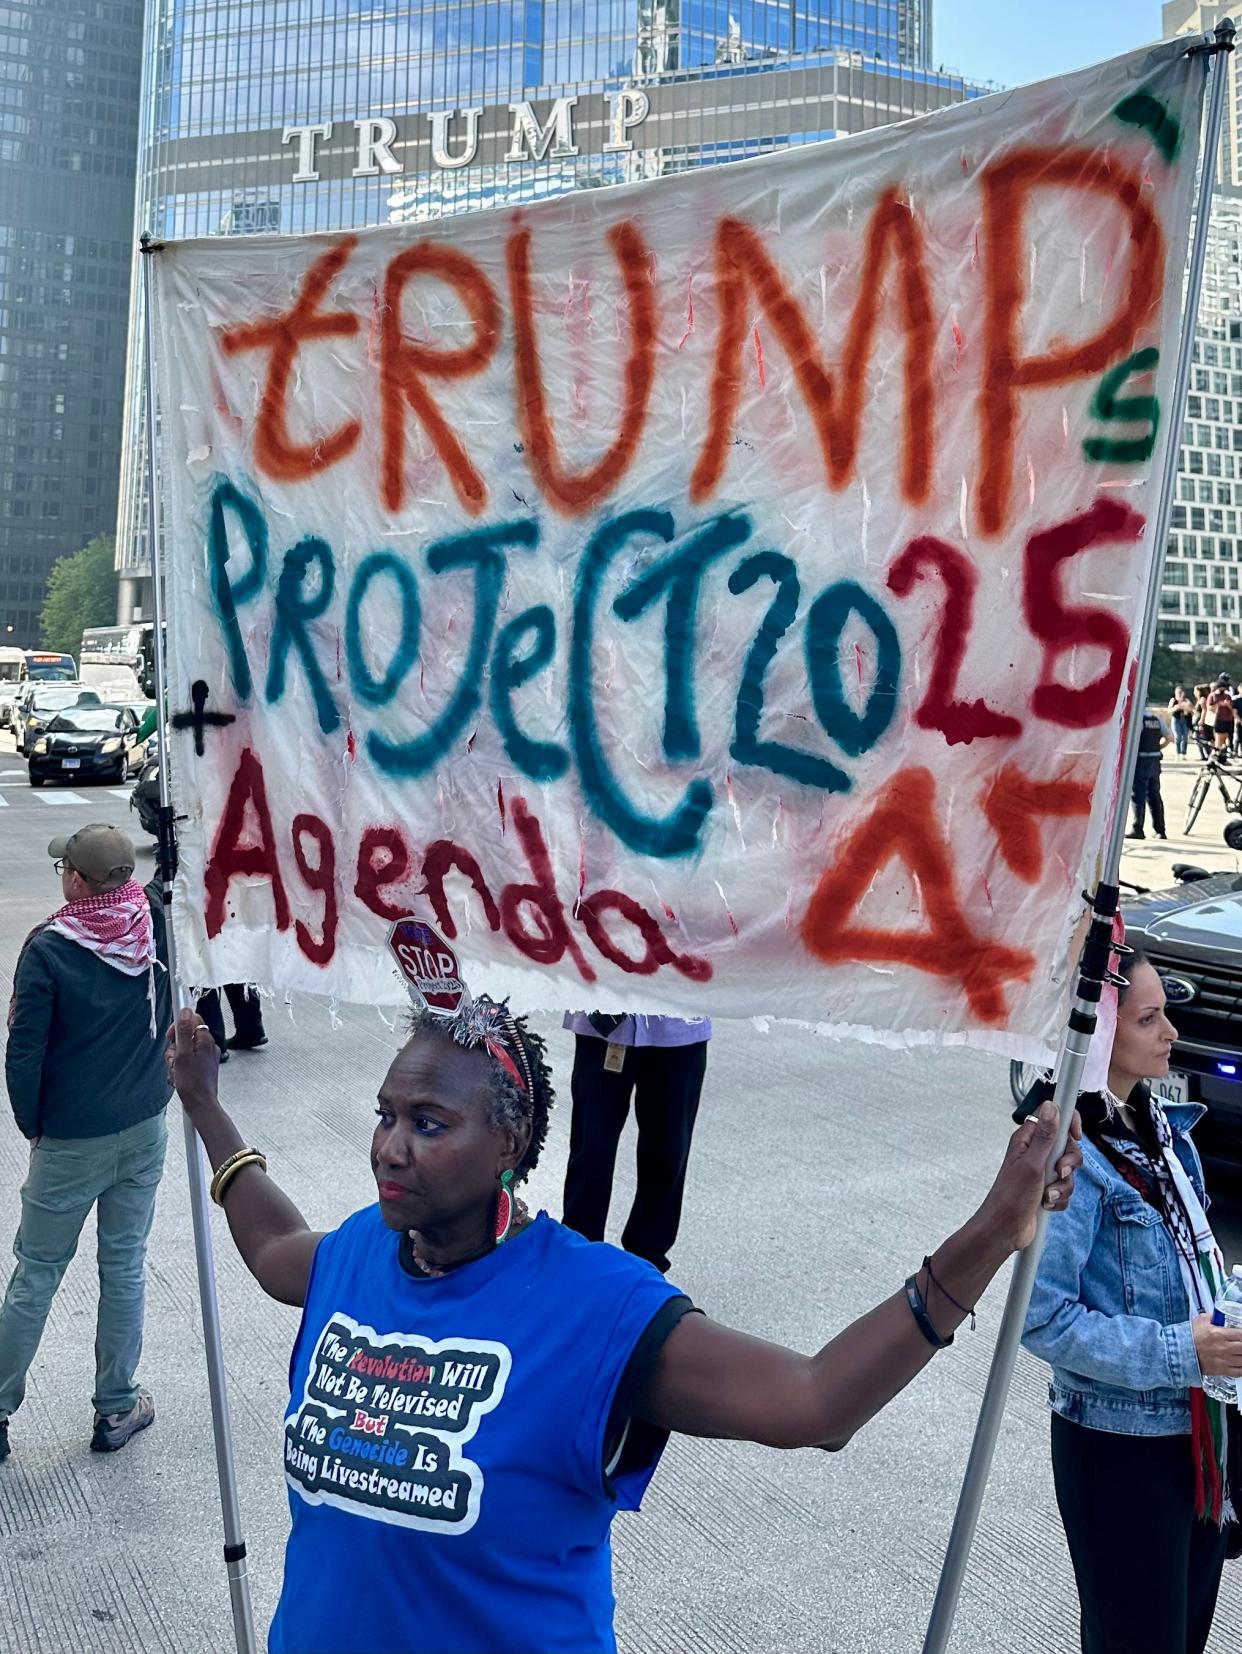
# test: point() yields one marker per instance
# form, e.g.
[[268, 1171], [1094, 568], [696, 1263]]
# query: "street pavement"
[[1150, 860], [821, 1174]]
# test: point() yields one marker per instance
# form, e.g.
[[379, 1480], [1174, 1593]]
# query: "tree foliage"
[[1188, 667], [81, 592]]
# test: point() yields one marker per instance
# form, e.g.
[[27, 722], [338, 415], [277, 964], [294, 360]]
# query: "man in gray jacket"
[[88, 1087]]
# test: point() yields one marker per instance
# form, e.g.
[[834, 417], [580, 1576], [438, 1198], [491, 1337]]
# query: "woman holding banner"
[[1141, 1456], [476, 1391]]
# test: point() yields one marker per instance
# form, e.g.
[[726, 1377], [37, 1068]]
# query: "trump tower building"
[[285, 116]]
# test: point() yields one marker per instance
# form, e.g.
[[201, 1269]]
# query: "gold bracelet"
[[230, 1160], [229, 1170], [226, 1173]]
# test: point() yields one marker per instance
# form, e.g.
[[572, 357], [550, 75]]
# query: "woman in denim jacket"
[[1121, 1313]]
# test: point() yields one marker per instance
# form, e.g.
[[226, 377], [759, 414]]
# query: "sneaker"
[[1136, 834], [114, 1430], [5, 1449], [239, 1044]]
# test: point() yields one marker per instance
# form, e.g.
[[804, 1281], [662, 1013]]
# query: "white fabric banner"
[[715, 595]]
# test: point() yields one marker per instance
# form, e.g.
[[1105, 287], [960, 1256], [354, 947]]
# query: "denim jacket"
[[1109, 1311]]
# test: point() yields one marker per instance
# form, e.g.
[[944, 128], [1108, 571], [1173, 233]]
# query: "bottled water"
[[1228, 1313]]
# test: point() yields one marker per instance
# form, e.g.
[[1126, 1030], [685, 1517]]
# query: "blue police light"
[[1228, 1069]]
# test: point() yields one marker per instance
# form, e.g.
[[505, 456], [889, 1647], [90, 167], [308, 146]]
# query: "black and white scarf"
[[1202, 1268]]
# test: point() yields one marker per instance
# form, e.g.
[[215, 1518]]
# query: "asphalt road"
[[821, 1174]]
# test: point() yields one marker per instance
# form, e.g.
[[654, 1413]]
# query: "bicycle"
[[1214, 770]]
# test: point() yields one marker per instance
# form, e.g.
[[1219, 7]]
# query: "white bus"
[[48, 666], [19, 667], [119, 662]]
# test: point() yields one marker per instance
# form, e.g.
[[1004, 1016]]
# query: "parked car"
[[1192, 933], [39, 704], [88, 742]]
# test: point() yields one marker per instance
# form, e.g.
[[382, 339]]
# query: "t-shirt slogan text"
[[382, 1420]]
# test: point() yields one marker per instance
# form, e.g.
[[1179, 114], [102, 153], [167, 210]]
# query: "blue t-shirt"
[[444, 1446]]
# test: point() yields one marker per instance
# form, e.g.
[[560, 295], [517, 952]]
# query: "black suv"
[[1192, 933]]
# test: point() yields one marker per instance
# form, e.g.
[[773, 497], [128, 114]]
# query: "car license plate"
[[71, 763], [1173, 1088]]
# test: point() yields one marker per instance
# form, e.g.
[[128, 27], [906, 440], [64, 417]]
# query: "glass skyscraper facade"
[[297, 115], [69, 81], [1201, 603], [1201, 17]]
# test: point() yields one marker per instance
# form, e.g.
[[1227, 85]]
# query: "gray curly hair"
[[486, 1022]]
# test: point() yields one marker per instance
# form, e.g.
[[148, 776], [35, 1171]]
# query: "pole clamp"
[[1221, 40]]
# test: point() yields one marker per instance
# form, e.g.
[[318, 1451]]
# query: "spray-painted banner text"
[[714, 595]]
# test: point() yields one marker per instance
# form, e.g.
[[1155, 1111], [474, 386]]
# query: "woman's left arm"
[[1129, 1352], [712, 1381]]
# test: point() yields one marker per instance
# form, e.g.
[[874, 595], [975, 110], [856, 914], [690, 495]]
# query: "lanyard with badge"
[[614, 1054]]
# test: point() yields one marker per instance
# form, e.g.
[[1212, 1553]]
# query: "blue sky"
[[1014, 41]]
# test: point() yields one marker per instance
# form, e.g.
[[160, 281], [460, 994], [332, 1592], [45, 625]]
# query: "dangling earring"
[[504, 1208]]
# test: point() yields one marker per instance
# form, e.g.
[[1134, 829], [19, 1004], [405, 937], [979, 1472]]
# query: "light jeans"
[[68, 1175]]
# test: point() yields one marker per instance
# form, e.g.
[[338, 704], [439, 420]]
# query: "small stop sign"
[[428, 964]]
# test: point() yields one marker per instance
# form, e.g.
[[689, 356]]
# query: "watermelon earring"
[[504, 1208]]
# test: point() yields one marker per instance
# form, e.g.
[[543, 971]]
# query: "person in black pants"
[[1144, 1453], [1146, 792], [247, 1008], [660, 1062], [1098, 1476]]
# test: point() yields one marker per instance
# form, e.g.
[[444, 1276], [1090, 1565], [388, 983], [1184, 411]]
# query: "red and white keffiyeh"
[[115, 926]]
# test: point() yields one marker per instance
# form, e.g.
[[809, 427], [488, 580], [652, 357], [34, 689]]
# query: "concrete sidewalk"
[[821, 1175], [1150, 861]]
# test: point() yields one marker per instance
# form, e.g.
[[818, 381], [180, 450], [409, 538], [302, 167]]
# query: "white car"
[[39, 704]]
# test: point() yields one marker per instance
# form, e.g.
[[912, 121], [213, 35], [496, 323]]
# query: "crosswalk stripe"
[[62, 797], [119, 792], [4, 803]]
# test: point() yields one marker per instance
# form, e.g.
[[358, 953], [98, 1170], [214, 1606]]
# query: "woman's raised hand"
[[193, 1060], [1013, 1202]]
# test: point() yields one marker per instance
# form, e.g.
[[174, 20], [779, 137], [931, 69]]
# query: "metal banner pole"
[[234, 1542], [1093, 965]]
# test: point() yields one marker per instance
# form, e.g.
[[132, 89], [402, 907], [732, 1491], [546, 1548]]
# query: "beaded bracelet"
[[945, 1293], [919, 1311], [228, 1169]]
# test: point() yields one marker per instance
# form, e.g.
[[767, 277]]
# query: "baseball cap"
[[99, 852]]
